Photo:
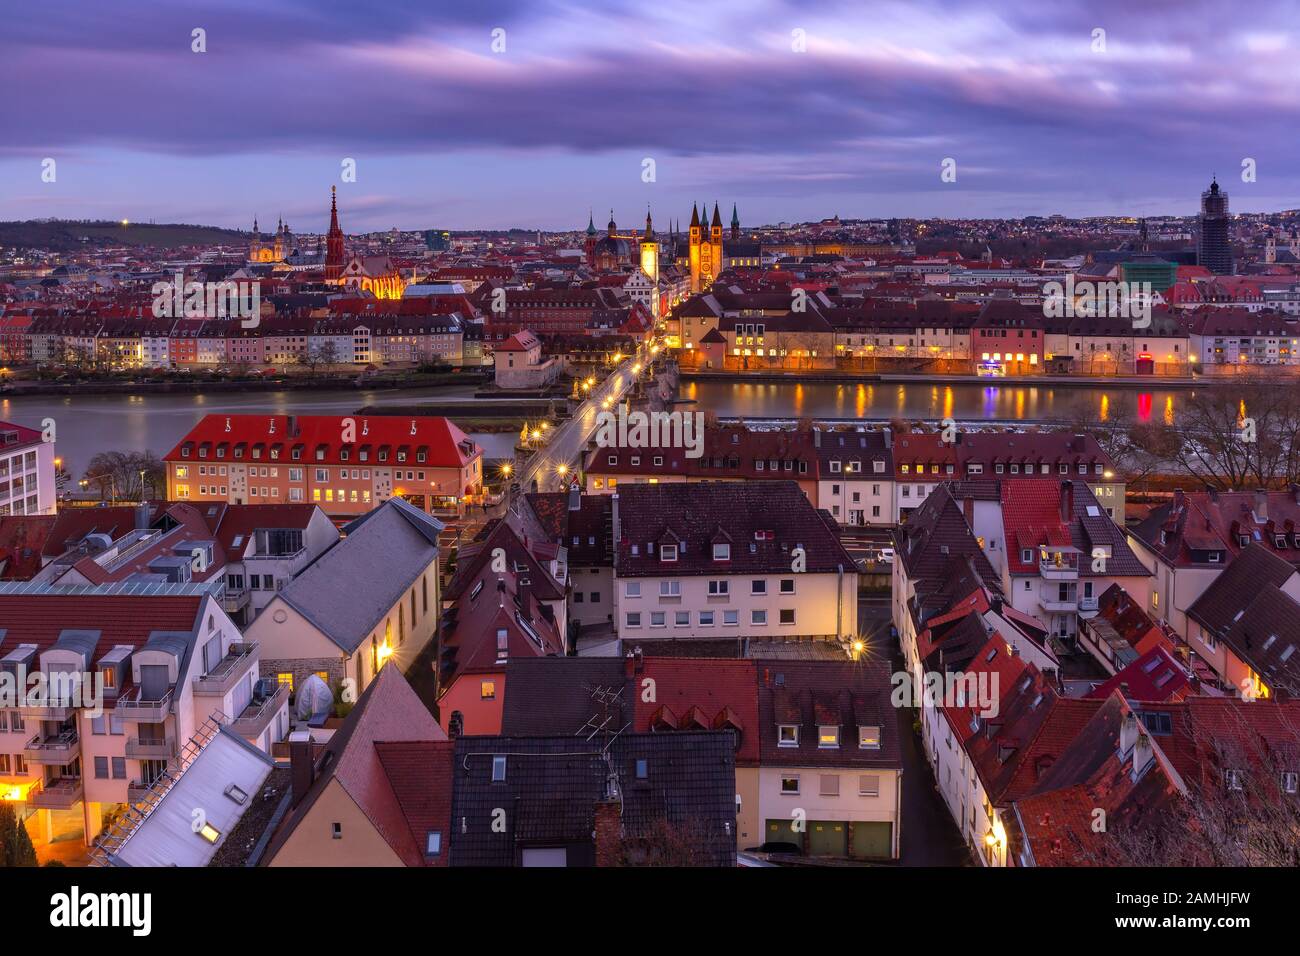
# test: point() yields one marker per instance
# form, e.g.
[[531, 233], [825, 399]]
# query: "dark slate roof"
[[697, 515], [1236, 585], [850, 694], [553, 784], [591, 524], [939, 553], [560, 695]]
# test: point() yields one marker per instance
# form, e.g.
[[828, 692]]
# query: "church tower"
[[697, 248], [589, 244], [334, 241], [650, 251], [715, 241], [735, 224]]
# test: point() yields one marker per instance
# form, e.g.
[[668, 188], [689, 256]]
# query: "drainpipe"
[[839, 601]]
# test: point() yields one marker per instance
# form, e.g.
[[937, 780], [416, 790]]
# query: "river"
[[89, 424], [963, 401]]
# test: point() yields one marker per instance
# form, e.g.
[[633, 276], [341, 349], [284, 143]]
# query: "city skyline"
[[447, 133]]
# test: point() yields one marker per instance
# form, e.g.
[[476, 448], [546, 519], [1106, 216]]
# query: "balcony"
[[1057, 603], [60, 794], [162, 748], [133, 705], [232, 602], [58, 701], [230, 670], [258, 715], [57, 750], [1087, 604], [1065, 570], [138, 791]]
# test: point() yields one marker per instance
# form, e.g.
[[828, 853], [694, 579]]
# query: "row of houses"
[[735, 330], [266, 339], [860, 476], [1070, 726]]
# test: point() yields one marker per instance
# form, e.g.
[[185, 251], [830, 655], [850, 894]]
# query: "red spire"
[[334, 240]]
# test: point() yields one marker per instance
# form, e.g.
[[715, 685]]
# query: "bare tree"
[[1239, 808], [127, 474]]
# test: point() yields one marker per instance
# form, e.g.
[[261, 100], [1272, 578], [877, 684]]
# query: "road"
[[569, 440]]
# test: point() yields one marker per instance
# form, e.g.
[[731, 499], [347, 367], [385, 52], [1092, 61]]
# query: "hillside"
[[69, 235]]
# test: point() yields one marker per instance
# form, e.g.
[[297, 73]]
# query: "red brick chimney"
[[608, 833]]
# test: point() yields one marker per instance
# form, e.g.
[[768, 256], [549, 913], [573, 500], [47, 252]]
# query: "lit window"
[[487, 690], [869, 738], [828, 736], [210, 833]]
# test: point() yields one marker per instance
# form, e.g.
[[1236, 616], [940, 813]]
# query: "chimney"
[[1261, 505], [607, 833], [817, 438], [1015, 650], [142, 513], [618, 532], [1067, 501], [456, 725], [293, 426], [1128, 734], [1143, 755], [575, 497], [996, 605], [968, 509], [1178, 499], [302, 765]]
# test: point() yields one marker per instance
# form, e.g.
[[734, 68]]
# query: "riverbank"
[[203, 385], [919, 378]]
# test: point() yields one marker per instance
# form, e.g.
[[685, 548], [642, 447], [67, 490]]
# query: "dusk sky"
[[447, 133]]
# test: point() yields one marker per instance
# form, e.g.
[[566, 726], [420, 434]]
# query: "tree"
[[1242, 433], [1237, 810], [15, 845], [119, 474]]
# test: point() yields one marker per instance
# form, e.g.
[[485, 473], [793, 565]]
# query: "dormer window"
[[668, 552], [1290, 781], [828, 737], [722, 552], [787, 735], [1232, 779], [869, 738]]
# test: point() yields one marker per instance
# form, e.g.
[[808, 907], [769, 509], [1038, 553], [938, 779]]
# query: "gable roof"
[[388, 710], [384, 552], [763, 521], [552, 785]]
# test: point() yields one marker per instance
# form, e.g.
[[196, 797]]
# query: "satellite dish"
[[314, 698]]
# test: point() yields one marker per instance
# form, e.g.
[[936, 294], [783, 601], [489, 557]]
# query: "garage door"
[[828, 838], [782, 831], [872, 840], [545, 856]]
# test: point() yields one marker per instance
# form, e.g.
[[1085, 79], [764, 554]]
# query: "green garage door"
[[872, 840], [782, 831], [828, 838]]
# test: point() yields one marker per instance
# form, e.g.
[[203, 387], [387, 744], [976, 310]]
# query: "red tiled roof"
[[716, 690], [420, 775], [119, 618], [447, 446]]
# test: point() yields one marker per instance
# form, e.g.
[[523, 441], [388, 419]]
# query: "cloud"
[[715, 90]]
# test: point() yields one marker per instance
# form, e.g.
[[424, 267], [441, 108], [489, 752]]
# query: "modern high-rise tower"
[[1214, 242]]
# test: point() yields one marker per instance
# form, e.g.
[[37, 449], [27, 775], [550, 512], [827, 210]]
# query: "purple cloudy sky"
[[446, 132]]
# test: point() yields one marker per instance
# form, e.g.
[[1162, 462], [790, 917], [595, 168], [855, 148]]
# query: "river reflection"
[[959, 400]]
